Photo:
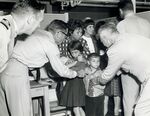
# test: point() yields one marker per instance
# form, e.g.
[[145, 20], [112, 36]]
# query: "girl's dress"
[[73, 94], [113, 88], [63, 48]]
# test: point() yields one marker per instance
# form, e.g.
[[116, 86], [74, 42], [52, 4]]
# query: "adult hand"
[[95, 81]]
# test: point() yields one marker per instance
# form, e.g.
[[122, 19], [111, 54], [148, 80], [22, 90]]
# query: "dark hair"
[[98, 25], [27, 6], [88, 22], [125, 5], [74, 24], [75, 45], [93, 55], [57, 25]]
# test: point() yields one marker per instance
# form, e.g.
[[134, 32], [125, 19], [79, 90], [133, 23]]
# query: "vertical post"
[[134, 5], [46, 101]]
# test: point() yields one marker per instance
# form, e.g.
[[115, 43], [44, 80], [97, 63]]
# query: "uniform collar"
[[129, 14], [46, 33], [14, 27]]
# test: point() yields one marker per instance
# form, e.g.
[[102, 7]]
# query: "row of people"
[[84, 32], [128, 79], [81, 91], [42, 46], [20, 48]]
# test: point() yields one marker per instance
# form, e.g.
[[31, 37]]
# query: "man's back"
[[135, 25], [132, 54]]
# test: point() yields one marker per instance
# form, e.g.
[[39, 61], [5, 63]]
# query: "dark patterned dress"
[[113, 88], [65, 96], [73, 93], [64, 51]]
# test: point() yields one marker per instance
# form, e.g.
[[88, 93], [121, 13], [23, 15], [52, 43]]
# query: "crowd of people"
[[95, 61]]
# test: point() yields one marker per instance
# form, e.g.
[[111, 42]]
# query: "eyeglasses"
[[64, 34]]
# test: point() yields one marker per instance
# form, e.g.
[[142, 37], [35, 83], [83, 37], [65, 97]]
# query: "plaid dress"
[[63, 47], [113, 88]]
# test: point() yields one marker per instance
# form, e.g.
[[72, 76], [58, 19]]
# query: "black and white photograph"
[[74, 57]]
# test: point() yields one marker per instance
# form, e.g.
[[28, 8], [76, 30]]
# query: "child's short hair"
[[88, 22], [93, 55], [75, 45]]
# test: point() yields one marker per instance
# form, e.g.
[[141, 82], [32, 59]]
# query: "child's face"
[[94, 62], [75, 53], [90, 29], [77, 33]]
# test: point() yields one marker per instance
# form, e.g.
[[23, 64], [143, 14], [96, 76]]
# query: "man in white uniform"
[[131, 53], [133, 24], [24, 18], [89, 36], [34, 52]]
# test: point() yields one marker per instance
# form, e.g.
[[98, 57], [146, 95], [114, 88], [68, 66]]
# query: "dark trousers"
[[94, 106]]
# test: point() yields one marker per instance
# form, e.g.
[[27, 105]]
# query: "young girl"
[[113, 89], [89, 36], [75, 33], [73, 94], [94, 101]]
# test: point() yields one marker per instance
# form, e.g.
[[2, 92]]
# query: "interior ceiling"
[[144, 4], [95, 3], [100, 3], [89, 1]]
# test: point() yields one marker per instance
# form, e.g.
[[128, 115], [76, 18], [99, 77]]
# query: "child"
[[94, 101], [75, 33], [113, 89], [73, 94], [89, 36]]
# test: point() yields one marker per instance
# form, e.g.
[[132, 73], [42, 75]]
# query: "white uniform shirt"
[[132, 54], [7, 36], [40, 48], [135, 25]]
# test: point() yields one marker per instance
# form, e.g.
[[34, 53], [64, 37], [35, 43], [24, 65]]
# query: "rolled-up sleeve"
[[60, 68], [115, 61], [53, 55]]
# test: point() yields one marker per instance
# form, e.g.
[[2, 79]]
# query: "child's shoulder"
[[98, 72]]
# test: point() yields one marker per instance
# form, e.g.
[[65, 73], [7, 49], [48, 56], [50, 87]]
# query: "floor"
[[111, 107]]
